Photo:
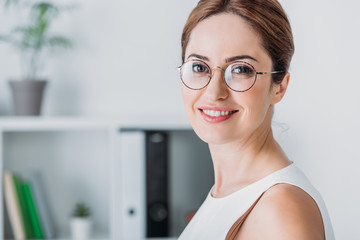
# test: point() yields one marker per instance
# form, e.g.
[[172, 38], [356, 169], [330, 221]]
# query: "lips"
[[216, 114], [213, 113]]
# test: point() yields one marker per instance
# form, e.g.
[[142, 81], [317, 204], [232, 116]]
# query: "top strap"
[[234, 230]]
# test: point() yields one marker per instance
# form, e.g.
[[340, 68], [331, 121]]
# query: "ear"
[[279, 90]]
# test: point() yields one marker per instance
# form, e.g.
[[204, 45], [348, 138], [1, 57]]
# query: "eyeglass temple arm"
[[262, 73]]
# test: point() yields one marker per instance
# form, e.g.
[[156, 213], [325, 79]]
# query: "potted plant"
[[81, 222], [31, 40]]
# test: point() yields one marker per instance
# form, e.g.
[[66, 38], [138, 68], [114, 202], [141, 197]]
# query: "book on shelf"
[[27, 209], [13, 206], [41, 204], [32, 211], [8, 233], [24, 213]]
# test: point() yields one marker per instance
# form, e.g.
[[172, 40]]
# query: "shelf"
[[59, 147], [17, 124]]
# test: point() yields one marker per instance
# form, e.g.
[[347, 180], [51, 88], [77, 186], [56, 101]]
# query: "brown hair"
[[267, 17]]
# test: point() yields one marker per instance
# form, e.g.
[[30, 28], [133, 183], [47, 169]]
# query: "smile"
[[216, 115], [213, 113]]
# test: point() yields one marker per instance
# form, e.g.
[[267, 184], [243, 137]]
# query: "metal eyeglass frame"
[[217, 67]]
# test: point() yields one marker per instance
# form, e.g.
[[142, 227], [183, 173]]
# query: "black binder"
[[157, 199]]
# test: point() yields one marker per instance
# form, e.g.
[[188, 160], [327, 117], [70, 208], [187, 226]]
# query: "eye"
[[242, 69], [198, 67]]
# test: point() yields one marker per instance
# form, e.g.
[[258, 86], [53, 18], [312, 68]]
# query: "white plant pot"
[[80, 228]]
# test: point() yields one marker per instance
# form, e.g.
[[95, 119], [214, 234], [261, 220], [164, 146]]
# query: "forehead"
[[223, 36]]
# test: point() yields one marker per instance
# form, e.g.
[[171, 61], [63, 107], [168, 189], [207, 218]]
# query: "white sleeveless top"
[[216, 216]]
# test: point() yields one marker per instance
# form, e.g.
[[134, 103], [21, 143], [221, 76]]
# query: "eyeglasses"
[[239, 76]]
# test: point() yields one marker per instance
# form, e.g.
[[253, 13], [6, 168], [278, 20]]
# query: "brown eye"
[[199, 68], [242, 69]]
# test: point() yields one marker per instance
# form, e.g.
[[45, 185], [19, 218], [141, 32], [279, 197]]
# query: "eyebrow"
[[227, 60], [198, 56], [241, 57]]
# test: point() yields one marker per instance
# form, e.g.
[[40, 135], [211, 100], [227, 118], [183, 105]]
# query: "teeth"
[[213, 113]]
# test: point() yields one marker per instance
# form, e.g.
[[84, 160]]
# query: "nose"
[[217, 89]]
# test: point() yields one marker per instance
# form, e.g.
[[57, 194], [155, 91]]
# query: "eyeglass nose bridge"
[[215, 68], [212, 71]]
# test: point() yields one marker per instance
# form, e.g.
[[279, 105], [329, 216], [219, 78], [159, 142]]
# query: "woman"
[[236, 56]]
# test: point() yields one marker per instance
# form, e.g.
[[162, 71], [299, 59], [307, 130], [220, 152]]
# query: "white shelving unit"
[[41, 125]]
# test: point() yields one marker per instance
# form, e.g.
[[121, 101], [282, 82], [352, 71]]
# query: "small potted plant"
[[81, 222], [31, 40]]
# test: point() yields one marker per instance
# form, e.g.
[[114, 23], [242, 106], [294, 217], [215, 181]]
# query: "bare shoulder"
[[284, 212]]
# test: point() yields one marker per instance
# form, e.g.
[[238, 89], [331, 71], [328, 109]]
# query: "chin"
[[214, 135]]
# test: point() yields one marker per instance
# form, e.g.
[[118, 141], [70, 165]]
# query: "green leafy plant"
[[81, 210], [32, 39]]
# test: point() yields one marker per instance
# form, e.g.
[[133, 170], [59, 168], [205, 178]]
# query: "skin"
[[243, 148]]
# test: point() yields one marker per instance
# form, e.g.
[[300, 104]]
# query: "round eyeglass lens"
[[195, 74], [240, 76]]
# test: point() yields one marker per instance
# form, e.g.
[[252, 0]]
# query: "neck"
[[243, 162]]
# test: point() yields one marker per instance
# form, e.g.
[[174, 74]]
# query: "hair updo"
[[267, 17]]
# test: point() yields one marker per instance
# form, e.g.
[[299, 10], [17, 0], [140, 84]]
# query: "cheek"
[[189, 98], [255, 105]]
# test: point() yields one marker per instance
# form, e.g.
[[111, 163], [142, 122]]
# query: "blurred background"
[[123, 62]]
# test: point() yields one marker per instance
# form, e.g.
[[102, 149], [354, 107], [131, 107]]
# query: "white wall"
[[124, 62], [321, 106]]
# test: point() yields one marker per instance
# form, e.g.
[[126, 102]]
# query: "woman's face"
[[218, 40]]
